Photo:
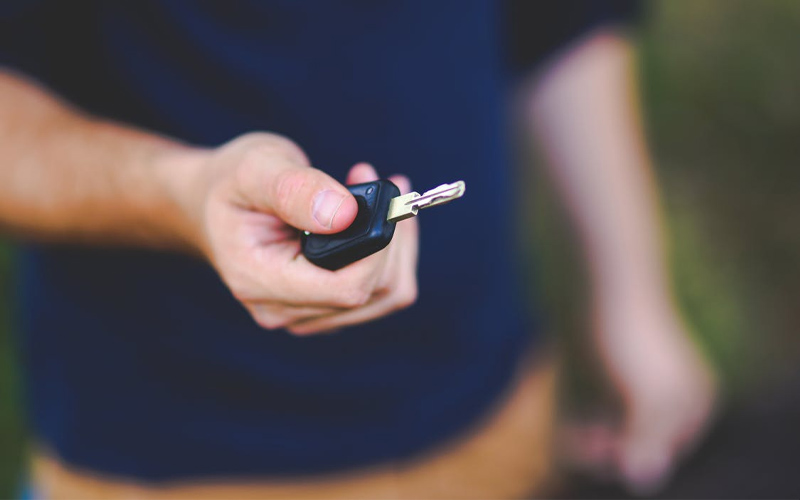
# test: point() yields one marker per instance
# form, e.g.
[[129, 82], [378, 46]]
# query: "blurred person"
[[159, 233]]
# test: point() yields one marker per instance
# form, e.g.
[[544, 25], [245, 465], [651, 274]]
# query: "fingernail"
[[325, 206]]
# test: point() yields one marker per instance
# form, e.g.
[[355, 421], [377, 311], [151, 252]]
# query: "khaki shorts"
[[505, 456]]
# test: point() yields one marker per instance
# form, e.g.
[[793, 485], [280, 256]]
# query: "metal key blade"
[[407, 205], [440, 195]]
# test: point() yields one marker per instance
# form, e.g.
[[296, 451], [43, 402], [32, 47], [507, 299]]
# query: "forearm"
[[66, 176], [587, 120]]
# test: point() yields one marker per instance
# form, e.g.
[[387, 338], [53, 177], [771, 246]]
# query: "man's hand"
[[252, 196], [71, 178], [668, 393], [668, 389]]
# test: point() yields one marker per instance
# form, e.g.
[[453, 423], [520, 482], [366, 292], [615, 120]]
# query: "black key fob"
[[368, 233]]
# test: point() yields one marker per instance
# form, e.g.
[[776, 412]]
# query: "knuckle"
[[285, 145], [243, 142], [241, 282], [239, 288], [240, 294], [270, 323], [269, 320], [354, 297], [288, 149], [255, 146], [407, 296], [369, 274], [300, 332], [288, 185], [275, 144], [251, 138]]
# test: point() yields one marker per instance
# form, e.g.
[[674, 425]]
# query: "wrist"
[[645, 310], [181, 172]]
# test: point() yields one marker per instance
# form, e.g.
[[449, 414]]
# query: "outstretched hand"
[[252, 196]]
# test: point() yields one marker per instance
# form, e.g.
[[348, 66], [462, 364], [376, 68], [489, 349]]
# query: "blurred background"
[[721, 91], [721, 86]]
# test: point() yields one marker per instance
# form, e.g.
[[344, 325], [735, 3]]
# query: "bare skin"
[[587, 120], [67, 177]]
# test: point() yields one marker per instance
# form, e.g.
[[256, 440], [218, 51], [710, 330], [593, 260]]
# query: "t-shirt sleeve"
[[537, 28]]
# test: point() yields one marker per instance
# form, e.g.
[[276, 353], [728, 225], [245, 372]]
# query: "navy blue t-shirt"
[[141, 363]]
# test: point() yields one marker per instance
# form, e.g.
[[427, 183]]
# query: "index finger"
[[300, 282]]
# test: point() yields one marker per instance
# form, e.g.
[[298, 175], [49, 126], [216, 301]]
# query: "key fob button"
[[369, 232]]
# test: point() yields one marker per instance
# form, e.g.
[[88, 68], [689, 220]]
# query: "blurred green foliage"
[[724, 109], [720, 83]]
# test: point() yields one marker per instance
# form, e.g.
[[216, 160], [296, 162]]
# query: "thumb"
[[307, 198]]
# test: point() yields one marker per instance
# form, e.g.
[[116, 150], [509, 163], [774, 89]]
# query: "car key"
[[380, 206]]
